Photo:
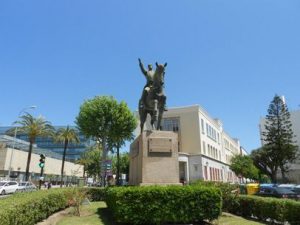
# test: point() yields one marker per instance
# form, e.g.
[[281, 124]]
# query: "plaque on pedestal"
[[154, 159]]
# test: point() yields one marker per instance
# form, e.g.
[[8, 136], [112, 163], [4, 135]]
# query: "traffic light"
[[42, 161], [108, 167]]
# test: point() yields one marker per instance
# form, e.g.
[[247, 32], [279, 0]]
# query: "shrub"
[[262, 208], [226, 190], [75, 198], [291, 212], [156, 205], [95, 193], [29, 208]]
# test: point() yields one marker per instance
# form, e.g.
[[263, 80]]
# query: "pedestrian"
[[49, 185]]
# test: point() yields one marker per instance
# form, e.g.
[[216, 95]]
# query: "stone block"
[[154, 159]]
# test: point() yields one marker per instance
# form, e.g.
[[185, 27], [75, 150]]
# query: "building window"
[[226, 143], [204, 150], [202, 126], [170, 124], [205, 173], [211, 132], [195, 167]]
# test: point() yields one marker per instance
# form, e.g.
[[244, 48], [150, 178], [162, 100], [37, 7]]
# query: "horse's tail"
[[143, 115]]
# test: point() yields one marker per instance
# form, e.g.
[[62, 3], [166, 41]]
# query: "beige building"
[[294, 173], [205, 149], [16, 159]]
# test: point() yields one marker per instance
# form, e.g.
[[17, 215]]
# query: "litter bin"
[[81, 182], [252, 188], [243, 190]]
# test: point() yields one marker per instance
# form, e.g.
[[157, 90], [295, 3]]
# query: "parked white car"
[[7, 187], [26, 186]]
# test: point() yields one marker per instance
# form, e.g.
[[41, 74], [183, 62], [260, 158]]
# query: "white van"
[[7, 187]]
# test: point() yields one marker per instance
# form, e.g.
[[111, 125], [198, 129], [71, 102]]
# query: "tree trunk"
[[283, 177], [83, 171], [103, 163], [118, 165], [63, 163], [274, 177], [28, 160]]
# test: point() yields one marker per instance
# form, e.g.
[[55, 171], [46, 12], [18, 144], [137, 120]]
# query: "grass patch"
[[94, 214], [98, 214], [229, 219]]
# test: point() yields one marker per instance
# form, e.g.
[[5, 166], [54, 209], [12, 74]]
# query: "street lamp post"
[[15, 137]]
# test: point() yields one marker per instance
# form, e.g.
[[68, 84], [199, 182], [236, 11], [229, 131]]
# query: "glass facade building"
[[73, 152]]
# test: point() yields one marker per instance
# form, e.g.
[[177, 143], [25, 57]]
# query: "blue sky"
[[231, 57]]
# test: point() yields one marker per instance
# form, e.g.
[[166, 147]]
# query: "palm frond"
[[34, 127], [67, 134]]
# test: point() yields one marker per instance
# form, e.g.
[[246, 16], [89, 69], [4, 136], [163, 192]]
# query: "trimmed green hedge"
[[95, 193], [30, 208], [262, 208], [226, 189], [157, 205]]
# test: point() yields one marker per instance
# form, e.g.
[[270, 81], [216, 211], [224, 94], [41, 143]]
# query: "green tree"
[[122, 163], [101, 118], [263, 161], [123, 127], [279, 148], [84, 161], [90, 160], [67, 136], [243, 166], [33, 128]]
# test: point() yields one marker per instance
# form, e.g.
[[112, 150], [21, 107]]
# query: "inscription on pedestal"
[[160, 144]]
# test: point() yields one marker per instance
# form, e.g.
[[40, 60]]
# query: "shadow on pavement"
[[105, 216]]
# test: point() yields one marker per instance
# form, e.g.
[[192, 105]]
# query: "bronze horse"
[[155, 100]]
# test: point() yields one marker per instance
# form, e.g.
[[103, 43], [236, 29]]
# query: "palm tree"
[[66, 136], [33, 127], [85, 161]]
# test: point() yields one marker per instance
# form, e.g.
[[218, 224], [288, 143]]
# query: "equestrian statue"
[[153, 100]]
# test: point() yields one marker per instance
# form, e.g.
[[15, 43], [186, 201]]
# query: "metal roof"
[[19, 144]]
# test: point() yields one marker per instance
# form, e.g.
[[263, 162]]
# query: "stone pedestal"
[[154, 159]]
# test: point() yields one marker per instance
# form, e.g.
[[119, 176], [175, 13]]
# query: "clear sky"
[[229, 56]]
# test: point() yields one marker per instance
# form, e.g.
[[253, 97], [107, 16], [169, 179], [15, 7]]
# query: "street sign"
[[107, 167]]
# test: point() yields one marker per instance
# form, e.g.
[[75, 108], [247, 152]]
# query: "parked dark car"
[[287, 186], [297, 189], [278, 192]]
